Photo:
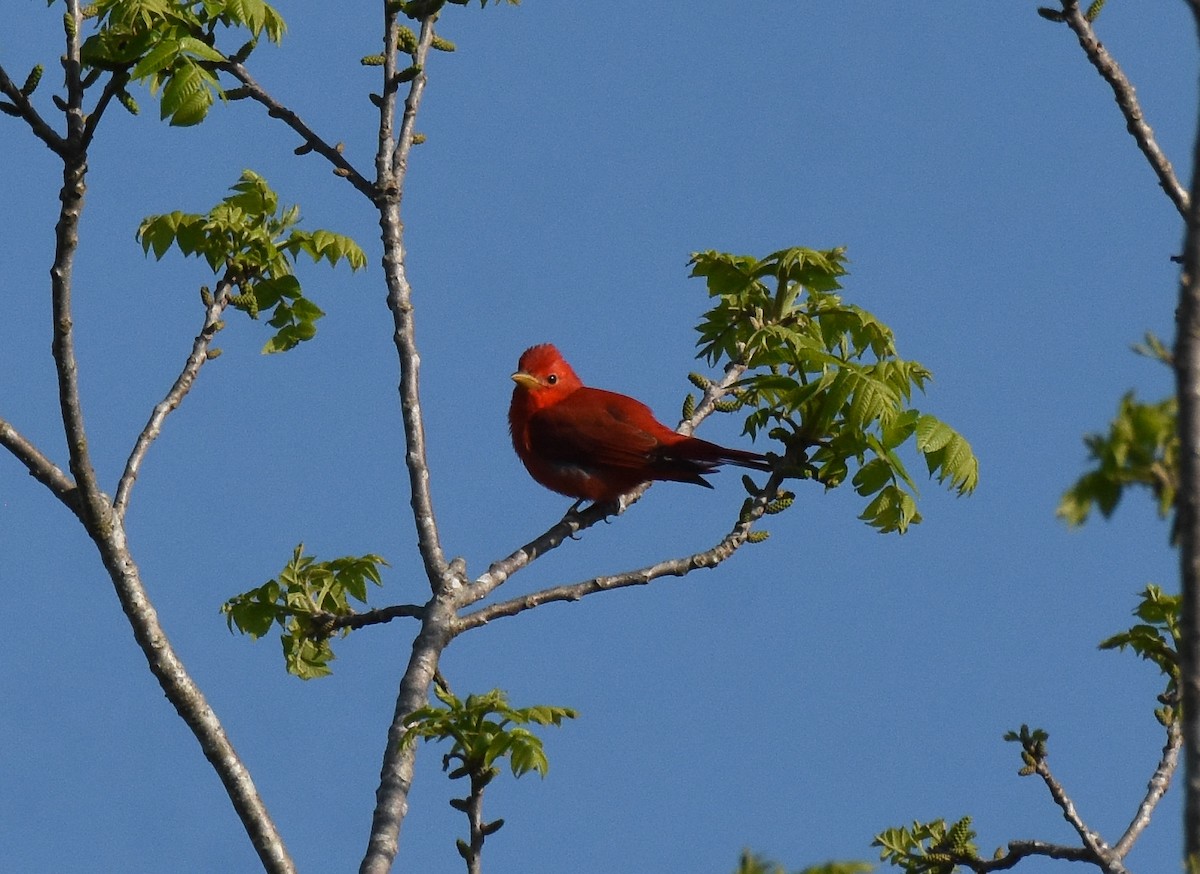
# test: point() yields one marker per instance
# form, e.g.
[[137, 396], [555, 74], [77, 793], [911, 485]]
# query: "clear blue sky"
[[810, 692]]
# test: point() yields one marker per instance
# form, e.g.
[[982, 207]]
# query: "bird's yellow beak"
[[525, 380]]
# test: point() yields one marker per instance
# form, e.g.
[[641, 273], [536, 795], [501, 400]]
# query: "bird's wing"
[[592, 427]]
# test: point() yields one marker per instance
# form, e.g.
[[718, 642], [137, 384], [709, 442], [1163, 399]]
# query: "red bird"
[[596, 445]]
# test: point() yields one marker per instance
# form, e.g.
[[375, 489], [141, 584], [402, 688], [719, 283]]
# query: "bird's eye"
[[552, 379]]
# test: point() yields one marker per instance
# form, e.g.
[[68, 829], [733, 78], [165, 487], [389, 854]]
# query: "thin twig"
[[41, 129], [112, 88], [1127, 101], [566, 528], [311, 139], [1103, 856], [676, 567], [182, 385], [1160, 781], [1018, 850], [328, 623], [39, 466]]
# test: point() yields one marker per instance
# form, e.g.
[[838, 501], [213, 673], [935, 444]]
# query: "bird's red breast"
[[596, 445]]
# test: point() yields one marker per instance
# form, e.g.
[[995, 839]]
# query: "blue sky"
[[807, 694]]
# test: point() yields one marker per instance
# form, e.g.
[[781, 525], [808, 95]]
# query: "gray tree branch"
[[1160, 781], [182, 385], [25, 109], [103, 524], [391, 163], [39, 466], [676, 567], [1127, 101], [1187, 388], [312, 140]]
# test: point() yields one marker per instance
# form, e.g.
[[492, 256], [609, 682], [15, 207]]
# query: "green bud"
[[32, 80]]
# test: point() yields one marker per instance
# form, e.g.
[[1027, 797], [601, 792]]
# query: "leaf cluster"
[[1033, 747], [255, 242], [1141, 448], [301, 600], [823, 377], [485, 729], [171, 45], [1156, 638], [928, 847]]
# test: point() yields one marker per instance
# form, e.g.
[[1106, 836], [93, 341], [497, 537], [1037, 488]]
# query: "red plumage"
[[596, 445]]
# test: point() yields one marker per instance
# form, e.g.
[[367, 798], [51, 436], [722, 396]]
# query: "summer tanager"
[[596, 445]]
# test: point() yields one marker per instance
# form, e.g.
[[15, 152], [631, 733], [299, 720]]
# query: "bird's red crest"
[[540, 359]]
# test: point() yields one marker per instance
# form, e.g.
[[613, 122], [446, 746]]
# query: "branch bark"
[[445, 579], [40, 467], [1187, 387], [98, 515], [1160, 781], [182, 385], [1127, 101]]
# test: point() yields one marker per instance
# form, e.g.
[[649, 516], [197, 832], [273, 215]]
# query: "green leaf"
[[824, 377], [303, 589]]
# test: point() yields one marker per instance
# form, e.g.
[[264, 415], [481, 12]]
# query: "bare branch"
[[1127, 101], [25, 108], [312, 140], [570, 525], [1100, 852], [396, 772], [392, 164], [1160, 781], [93, 507], [189, 702], [1187, 390], [676, 567], [112, 88], [1018, 850], [328, 623], [39, 466], [183, 384]]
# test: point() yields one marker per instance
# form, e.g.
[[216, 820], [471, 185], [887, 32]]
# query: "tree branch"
[[189, 702], [26, 110], [1187, 389], [676, 567], [112, 88], [1018, 850], [566, 528], [174, 397], [312, 140], [329, 623], [39, 466], [1160, 781], [392, 165], [1100, 852], [1127, 101]]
